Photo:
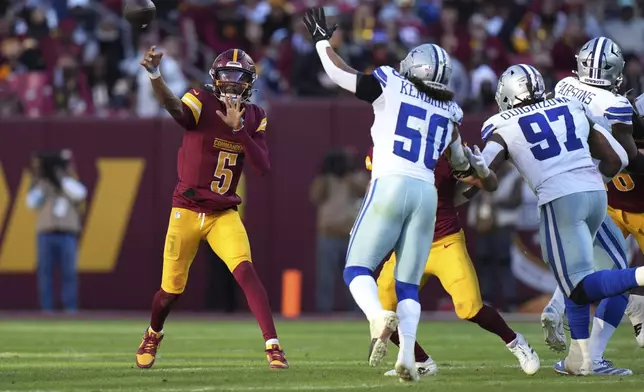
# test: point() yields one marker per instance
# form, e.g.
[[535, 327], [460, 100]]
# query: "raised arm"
[[365, 87], [185, 111]]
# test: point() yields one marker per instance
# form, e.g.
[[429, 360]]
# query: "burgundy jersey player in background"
[[222, 130]]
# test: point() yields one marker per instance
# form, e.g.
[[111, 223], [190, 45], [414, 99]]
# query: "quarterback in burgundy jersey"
[[451, 264], [222, 131]]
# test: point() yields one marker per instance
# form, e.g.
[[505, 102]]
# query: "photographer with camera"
[[57, 196]]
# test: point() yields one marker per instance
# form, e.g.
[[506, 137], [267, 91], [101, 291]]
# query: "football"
[[139, 13]]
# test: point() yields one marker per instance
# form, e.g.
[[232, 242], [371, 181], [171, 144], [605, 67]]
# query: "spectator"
[[481, 45], [72, 95], [567, 47], [628, 31], [147, 105], [336, 192], [493, 216], [56, 195], [459, 81], [633, 76]]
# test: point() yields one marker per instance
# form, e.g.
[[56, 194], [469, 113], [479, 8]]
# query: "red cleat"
[[147, 352], [276, 358]]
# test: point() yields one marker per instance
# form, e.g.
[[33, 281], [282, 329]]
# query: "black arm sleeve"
[[367, 88]]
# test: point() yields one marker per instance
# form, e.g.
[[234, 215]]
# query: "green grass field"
[[205, 355]]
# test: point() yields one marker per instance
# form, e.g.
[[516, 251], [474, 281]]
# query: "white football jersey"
[[410, 130], [548, 143], [602, 106]]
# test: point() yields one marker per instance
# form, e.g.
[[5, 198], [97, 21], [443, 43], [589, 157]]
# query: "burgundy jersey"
[[211, 157], [626, 192], [446, 214]]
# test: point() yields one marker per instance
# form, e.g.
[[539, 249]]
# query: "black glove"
[[315, 22]]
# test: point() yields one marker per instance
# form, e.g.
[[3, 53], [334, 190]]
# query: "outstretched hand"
[[151, 59], [477, 160], [234, 116], [315, 22]]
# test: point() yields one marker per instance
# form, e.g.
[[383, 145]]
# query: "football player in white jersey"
[[552, 143], [599, 73], [415, 121]]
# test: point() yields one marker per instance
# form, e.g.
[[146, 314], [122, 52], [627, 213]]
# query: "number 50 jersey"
[[410, 130], [548, 143]]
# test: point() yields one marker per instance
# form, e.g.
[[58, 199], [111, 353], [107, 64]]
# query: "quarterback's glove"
[[315, 22], [477, 161]]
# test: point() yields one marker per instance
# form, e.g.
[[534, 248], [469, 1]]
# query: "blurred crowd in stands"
[[79, 57]]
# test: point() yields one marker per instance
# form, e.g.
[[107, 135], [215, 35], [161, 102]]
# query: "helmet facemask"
[[231, 82]]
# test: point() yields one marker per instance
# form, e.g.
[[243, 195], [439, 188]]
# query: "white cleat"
[[635, 312], [528, 358], [406, 372], [381, 329], [427, 368], [553, 329]]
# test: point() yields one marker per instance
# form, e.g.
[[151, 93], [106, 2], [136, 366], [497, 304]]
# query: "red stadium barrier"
[[129, 168]]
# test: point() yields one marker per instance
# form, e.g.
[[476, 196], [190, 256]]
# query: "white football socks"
[[365, 292], [579, 351], [599, 337], [271, 342], [409, 315]]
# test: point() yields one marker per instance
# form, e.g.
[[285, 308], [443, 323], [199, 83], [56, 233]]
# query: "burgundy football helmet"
[[233, 75]]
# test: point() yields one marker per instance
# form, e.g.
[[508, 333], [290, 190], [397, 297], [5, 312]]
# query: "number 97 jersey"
[[548, 143], [410, 130]]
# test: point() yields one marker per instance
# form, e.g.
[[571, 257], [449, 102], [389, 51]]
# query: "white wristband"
[[156, 74]]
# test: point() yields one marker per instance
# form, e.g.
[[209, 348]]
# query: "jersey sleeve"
[[619, 112], [488, 129], [262, 121], [368, 88], [377, 82], [192, 107]]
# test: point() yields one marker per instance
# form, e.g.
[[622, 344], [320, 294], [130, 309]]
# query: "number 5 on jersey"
[[223, 174], [437, 123]]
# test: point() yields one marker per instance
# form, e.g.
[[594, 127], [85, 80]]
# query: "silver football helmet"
[[519, 84], [600, 63], [429, 64]]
